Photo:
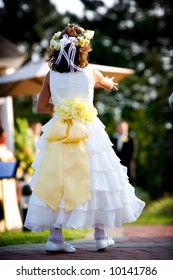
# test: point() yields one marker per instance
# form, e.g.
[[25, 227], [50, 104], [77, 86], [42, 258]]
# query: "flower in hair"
[[88, 34], [81, 40], [55, 41]]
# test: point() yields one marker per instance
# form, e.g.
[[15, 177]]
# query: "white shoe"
[[104, 243], [53, 247]]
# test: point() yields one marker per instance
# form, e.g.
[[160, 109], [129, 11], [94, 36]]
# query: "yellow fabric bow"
[[65, 167]]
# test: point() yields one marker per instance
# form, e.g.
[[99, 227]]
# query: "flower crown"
[[81, 40]]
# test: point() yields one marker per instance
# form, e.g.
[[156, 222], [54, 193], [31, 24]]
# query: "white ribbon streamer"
[[71, 52]]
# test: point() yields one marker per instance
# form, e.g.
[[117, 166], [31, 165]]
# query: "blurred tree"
[[28, 23]]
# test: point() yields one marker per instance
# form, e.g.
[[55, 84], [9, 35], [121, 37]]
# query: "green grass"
[[158, 212], [26, 237], [150, 220]]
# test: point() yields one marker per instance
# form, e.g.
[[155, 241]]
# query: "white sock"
[[56, 236], [99, 233]]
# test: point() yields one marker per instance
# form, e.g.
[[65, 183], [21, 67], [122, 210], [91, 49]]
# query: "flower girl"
[[78, 181]]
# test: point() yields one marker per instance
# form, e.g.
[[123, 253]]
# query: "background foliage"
[[132, 34], [24, 147]]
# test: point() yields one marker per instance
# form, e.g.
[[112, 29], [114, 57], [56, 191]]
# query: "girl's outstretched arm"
[[104, 82]]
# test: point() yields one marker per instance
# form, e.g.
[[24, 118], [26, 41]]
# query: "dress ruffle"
[[113, 200]]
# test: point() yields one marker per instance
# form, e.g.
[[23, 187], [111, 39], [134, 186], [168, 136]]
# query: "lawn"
[[26, 237]]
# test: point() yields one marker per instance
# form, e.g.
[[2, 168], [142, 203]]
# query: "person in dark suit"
[[123, 146]]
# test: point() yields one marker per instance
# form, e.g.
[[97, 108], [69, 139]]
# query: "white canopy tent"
[[11, 57]]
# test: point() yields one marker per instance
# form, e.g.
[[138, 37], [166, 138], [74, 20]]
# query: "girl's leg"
[[99, 232], [56, 242], [102, 242], [56, 236]]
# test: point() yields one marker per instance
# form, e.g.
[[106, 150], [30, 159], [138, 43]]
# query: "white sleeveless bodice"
[[66, 85]]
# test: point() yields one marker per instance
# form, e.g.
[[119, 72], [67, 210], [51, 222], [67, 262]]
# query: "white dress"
[[113, 201]]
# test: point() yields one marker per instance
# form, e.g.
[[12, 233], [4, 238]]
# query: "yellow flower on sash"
[[75, 109], [91, 112]]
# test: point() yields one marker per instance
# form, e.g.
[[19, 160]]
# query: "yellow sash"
[[65, 167]]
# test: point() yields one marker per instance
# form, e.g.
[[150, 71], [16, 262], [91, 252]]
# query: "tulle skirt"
[[113, 200]]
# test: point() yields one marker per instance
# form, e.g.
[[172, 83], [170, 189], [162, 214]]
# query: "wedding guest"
[[124, 146]]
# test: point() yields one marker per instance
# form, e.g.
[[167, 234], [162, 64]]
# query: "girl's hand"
[[114, 84]]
